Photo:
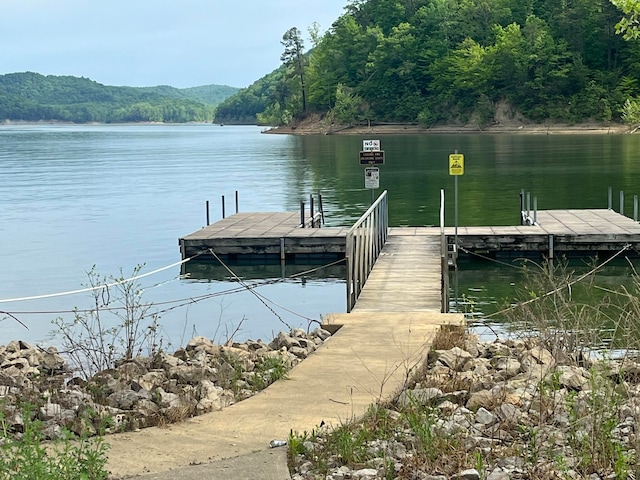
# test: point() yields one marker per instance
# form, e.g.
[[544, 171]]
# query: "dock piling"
[[223, 212], [207, 207]]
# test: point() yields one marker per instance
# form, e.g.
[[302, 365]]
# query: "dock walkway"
[[407, 275]]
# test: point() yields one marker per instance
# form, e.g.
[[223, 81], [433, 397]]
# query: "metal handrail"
[[365, 240]]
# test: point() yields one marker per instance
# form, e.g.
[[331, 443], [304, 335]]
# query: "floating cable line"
[[484, 257], [181, 302], [568, 285], [241, 282], [97, 287]]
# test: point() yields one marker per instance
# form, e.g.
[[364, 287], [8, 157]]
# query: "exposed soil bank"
[[314, 126]]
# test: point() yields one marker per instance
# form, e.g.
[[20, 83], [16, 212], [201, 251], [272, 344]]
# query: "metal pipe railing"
[[365, 240]]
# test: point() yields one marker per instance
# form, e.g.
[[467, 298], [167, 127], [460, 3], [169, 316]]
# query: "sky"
[[138, 43]]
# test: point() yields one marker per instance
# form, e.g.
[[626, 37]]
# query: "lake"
[[118, 196]]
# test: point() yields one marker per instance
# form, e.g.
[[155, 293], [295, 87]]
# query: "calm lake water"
[[72, 197]]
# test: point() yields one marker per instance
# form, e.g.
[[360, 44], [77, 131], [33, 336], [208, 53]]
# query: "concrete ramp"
[[368, 359]]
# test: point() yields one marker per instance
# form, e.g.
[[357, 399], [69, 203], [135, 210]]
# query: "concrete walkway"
[[367, 360]]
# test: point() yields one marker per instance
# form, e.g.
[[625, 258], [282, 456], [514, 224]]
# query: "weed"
[[28, 458]]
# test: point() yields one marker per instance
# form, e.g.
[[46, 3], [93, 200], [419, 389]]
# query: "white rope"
[[98, 287]]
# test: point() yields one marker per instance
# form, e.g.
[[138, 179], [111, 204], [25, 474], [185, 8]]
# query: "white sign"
[[372, 177], [371, 145]]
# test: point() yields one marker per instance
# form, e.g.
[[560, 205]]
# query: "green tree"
[[347, 109], [293, 57]]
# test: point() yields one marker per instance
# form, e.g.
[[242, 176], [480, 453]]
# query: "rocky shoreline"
[[501, 410], [504, 410], [141, 392]]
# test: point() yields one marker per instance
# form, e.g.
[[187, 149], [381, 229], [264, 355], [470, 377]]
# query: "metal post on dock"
[[320, 206], [621, 202], [223, 212], [528, 204], [207, 213], [311, 210], [535, 210], [522, 222], [302, 214], [455, 204], [635, 208], [237, 201], [444, 260], [610, 197]]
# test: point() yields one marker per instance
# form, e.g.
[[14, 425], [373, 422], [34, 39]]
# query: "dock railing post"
[[610, 198], [522, 222], [311, 211], [223, 212], [528, 204], [635, 208], [237, 204], [320, 206], [302, 214], [621, 202], [535, 210], [207, 213]]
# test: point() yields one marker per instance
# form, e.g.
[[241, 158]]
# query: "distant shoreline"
[[316, 128]]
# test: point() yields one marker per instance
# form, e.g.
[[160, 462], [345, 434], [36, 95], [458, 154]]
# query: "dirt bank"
[[315, 126]]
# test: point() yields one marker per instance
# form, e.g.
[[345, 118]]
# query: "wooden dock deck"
[[584, 232], [407, 275], [264, 235]]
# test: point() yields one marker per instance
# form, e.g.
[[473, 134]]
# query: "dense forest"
[[454, 61], [34, 97]]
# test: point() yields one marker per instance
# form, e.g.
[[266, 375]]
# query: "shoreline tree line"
[[456, 61], [33, 97]]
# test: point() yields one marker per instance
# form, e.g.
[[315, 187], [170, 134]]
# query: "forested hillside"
[[34, 97], [456, 61]]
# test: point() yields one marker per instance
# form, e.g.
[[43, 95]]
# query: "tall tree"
[[293, 57]]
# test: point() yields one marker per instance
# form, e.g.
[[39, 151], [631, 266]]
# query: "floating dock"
[[266, 237], [558, 232]]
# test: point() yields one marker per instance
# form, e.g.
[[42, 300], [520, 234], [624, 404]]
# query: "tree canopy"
[[449, 61]]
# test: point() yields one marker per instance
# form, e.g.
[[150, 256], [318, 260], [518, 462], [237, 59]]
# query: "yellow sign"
[[456, 164]]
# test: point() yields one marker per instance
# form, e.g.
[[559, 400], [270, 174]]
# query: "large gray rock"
[[454, 358]]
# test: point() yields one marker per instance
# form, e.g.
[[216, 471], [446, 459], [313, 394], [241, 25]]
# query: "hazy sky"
[[183, 43]]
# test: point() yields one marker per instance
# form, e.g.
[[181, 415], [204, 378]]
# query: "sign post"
[[456, 168], [371, 155]]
